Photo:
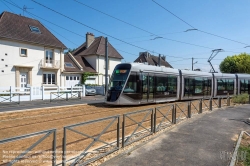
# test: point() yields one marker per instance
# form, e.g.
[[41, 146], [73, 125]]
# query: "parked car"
[[89, 90]]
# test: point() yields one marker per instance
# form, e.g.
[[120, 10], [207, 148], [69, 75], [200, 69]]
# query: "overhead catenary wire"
[[7, 6], [196, 28], [84, 36], [116, 38], [101, 31]]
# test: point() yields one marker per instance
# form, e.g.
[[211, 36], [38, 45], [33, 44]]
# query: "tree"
[[236, 64]]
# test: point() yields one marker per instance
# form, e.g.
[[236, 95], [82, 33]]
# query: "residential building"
[[90, 57], [30, 55], [147, 58]]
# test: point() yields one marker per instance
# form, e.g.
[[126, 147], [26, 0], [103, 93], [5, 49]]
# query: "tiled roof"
[[17, 28], [82, 61], [97, 48], [151, 60]]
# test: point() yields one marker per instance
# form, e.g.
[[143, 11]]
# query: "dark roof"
[[97, 48], [151, 60], [16, 27], [82, 61]]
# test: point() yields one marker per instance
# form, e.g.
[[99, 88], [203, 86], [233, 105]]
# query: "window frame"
[[35, 29], [49, 77], [23, 55]]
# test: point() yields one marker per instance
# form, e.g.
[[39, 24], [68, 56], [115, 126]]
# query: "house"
[[147, 58], [90, 57], [30, 54]]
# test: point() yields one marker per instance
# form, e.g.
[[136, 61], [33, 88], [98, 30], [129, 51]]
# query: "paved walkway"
[[5, 107], [199, 141]]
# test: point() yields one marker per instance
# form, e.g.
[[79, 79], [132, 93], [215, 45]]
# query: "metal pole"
[[192, 63], [189, 109], [64, 148], [228, 101], [118, 132], [210, 104], [106, 64], [219, 102], [173, 115], [54, 149], [200, 106], [155, 121], [152, 121], [123, 131], [249, 98]]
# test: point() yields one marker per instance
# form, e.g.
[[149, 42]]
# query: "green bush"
[[242, 98]]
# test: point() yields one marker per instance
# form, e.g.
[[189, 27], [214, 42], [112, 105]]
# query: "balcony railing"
[[54, 64]]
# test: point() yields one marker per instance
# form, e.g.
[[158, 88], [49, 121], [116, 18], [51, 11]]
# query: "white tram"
[[137, 83]]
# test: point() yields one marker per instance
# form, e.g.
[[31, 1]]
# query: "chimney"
[[89, 39], [159, 60]]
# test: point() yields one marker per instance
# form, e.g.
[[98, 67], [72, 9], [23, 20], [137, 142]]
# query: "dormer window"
[[67, 64], [34, 29]]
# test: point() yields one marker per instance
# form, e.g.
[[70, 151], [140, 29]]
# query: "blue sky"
[[226, 18]]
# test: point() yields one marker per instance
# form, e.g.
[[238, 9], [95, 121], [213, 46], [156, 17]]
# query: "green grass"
[[242, 98], [245, 149]]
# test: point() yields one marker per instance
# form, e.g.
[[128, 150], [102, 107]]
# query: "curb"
[[234, 157]]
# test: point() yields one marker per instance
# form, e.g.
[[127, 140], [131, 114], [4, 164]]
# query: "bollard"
[[219, 102], [189, 109], [210, 104], [228, 101], [200, 107], [174, 114]]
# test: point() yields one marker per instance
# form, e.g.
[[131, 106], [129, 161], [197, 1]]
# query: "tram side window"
[[172, 85], [160, 84], [225, 85], [132, 84], [189, 85], [207, 87], [165, 86], [245, 86], [198, 86]]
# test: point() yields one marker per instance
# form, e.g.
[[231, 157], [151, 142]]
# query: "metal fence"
[[12, 98], [138, 123], [65, 95], [111, 146], [135, 126], [163, 117], [23, 153]]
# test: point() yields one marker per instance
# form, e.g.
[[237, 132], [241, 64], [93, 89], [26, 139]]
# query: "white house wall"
[[112, 63], [34, 55]]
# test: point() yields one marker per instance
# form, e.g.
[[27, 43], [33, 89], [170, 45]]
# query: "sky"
[[178, 29]]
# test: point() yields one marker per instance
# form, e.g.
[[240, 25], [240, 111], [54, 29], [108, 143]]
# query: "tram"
[[137, 83]]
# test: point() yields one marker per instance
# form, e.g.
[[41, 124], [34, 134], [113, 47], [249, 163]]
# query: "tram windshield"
[[119, 76]]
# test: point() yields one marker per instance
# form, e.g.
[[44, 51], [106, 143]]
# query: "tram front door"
[[147, 88]]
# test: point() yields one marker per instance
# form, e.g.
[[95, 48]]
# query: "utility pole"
[[193, 63], [106, 65]]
